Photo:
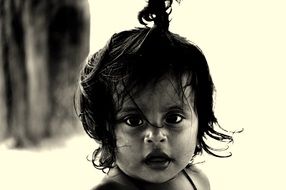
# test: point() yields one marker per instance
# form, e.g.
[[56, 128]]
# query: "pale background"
[[244, 42]]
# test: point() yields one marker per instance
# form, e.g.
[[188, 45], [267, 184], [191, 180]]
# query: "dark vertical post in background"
[[3, 76], [43, 44], [14, 70]]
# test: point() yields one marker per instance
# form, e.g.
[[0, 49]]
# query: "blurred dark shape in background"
[[42, 45]]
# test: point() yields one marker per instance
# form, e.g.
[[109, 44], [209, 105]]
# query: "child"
[[147, 99]]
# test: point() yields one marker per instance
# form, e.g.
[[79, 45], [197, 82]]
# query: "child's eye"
[[173, 119], [134, 120]]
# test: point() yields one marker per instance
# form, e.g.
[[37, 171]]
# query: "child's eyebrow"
[[126, 110], [178, 107], [167, 108], [182, 108]]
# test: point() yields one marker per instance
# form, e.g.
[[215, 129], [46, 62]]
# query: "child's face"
[[156, 151]]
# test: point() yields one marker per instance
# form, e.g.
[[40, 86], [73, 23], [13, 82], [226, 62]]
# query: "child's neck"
[[178, 182]]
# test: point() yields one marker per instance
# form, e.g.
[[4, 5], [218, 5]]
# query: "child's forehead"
[[177, 90], [176, 83]]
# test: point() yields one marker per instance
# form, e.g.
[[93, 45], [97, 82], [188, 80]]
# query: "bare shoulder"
[[105, 185], [111, 185], [199, 177]]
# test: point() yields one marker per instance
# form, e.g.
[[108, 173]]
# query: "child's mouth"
[[157, 160]]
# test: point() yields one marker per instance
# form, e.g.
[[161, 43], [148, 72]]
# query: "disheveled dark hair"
[[131, 60]]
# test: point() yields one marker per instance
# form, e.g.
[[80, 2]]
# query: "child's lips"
[[157, 160]]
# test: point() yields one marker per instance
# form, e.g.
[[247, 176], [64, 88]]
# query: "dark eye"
[[173, 119], [134, 121]]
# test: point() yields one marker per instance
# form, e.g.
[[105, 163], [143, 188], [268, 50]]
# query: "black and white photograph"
[[142, 94]]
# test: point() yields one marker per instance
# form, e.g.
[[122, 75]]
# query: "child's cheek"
[[126, 135]]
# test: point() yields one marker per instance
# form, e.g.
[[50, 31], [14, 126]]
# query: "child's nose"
[[155, 135]]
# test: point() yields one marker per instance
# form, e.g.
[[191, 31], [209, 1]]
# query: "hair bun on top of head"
[[157, 11]]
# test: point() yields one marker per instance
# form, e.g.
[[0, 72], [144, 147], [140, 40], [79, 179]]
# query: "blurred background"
[[44, 43]]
